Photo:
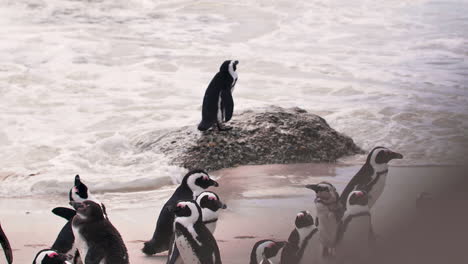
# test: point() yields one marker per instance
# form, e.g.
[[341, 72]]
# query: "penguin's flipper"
[[174, 253], [65, 239], [94, 256], [64, 212], [6, 246], [162, 234], [227, 104]]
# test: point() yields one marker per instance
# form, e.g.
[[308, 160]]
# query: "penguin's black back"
[[362, 177]]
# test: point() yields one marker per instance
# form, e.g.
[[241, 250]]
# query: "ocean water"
[[82, 81]]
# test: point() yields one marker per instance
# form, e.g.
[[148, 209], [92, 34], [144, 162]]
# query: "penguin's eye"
[[205, 178]]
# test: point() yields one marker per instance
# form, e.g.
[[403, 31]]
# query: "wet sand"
[[262, 203]]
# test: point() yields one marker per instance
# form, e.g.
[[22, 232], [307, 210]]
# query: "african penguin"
[[372, 176], [354, 236], [210, 204], [6, 246], [96, 238], [303, 243], [195, 242], [65, 241], [269, 249], [80, 192], [218, 104], [193, 184], [50, 256], [329, 212]]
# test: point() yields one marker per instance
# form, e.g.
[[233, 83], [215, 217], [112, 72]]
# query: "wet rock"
[[273, 135]]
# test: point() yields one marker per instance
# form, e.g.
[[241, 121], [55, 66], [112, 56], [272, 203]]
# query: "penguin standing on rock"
[[372, 176], [97, 240], [218, 104], [193, 184], [195, 242], [6, 246], [50, 256], [354, 236], [267, 249], [329, 212]]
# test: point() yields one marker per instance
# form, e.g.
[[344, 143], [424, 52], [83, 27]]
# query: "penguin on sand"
[[267, 249], [50, 256], [372, 176], [65, 241], [195, 242], [354, 236], [6, 246], [194, 183], [329, 212], [218, 104], [97, 240]]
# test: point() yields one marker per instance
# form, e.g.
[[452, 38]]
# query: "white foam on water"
[[80, 80]]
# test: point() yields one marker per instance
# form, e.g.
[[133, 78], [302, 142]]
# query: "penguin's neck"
[[189, 224], [356, 209], [379, 168], [303, 233]]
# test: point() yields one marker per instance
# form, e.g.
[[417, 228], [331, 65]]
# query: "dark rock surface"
[[273, 135]]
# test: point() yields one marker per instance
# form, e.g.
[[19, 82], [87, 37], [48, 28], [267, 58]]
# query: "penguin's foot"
[[223, 128], [149, 248]]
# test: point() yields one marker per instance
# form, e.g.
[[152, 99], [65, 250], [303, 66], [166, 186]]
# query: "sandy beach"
[[262, 203]]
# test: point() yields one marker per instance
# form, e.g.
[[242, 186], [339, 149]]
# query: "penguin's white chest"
[[377, 189], [186, 251], [82, 245], [355, 242], [312, 250]]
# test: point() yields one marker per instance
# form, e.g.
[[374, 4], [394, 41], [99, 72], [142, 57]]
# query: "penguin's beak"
[[222, 205], [6, 246], [394, 155], [214, 183], [313, 187]]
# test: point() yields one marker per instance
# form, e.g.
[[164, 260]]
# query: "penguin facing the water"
[[50, 256], [354, 236], [97, 240], [218, 104], [372, 176], [329, 212], [267, 249], [6, 246], [195, 242], [193, 184]]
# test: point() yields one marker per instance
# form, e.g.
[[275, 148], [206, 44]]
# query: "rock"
[[270, 136]]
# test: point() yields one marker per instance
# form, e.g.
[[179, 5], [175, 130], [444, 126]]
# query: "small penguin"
[[50, 256], [354, 236], [6, 246], [97, 240], [218, 104], [65, 241], [210, 204], [303, 243], [194, 183], [80, 193], [372, 176], [267, 249], [195, 242], [329, 212]]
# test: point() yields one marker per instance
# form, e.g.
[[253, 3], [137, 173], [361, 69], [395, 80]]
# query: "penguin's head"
[[187, 211], [229, 66], [304, 219], [210, 203], [380, 156], [358, 198], [198, 180], [273, 248], [49, 256], [325, 191], [79, 192], [89, 211], [265, 249]]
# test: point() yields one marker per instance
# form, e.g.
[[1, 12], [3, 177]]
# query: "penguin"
[[97, 240], [267, 249], [6, 246], [354, 236], [210, 204], [329, 213], [50, 256], [195, 242], [218, 104], [372, 176], [80, 192], [303, 243], [193, 184], [65, 241]]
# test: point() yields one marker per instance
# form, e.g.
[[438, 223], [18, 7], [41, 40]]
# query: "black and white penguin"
[[267, 249], [354, 236], [65, 241], [50, 256], [329, 212], [303, 242], [193, 184], [6, 246], [218, 104], [195, 242], [96, 238], [80, 193], [372, 176]]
